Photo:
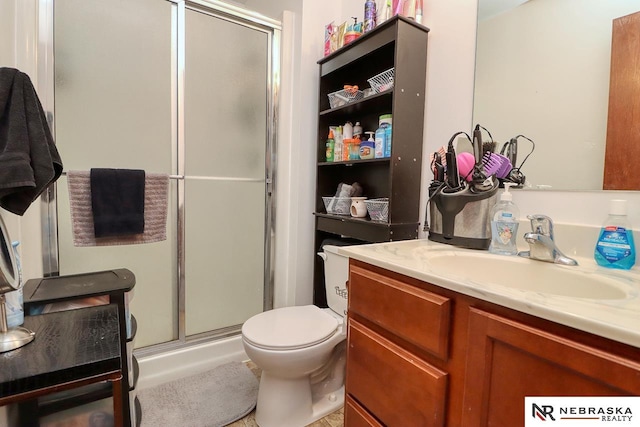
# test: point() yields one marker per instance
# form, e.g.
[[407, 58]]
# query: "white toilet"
[[301, 351]]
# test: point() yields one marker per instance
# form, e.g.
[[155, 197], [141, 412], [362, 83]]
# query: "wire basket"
[[382, 81], [343, 97], [337, 205], [378, 208]]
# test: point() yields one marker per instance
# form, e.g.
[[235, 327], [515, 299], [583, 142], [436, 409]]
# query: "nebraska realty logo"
[[587, 410]]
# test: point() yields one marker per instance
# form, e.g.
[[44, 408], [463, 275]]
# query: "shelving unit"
[[116, 285], [401, 44]]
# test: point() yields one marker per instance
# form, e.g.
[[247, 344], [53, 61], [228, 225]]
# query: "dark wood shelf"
[[355, 162], [400, 44], [348, 218], [363, 45], [365, 230]]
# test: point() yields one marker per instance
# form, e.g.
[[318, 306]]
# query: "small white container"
[[358, 207]]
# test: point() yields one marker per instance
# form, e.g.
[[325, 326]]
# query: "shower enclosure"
[[186, 88]]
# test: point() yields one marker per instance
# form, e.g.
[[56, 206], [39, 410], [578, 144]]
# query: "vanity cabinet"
[[422, 355], [398, 44]]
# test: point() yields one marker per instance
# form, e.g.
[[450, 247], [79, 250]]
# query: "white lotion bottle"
[[504, 224]]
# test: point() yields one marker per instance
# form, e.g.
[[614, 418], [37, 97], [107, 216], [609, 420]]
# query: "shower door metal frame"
[[46, 80]]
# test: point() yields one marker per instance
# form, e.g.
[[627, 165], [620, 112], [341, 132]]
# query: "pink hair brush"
[[466, 161]]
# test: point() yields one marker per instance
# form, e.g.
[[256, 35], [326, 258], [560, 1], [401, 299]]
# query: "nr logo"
[[543, 412]]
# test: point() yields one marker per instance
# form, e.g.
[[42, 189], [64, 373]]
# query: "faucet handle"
[[541, 224]]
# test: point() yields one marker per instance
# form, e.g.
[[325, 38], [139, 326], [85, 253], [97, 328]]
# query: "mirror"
[[14, 337], [542, 70], [8, 270]]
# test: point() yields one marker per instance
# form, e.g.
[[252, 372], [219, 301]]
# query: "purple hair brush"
[[496, 164]]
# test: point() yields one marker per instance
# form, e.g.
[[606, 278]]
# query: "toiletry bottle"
[[615, 247], [367, 148], [369, 15], [357, 130], [504, 224], [387, 141], [337, 150], [330, 146], [419, 11], [380, 138], [385, 11], [347, 131], [354, 149], [346, 149]]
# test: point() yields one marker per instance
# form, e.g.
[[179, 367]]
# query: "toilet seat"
[[289, 328]]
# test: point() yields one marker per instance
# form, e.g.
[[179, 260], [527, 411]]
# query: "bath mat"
[[211, 399]]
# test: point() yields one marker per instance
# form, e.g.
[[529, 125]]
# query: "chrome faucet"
[[542, 247]]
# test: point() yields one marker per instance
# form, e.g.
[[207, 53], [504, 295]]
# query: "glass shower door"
[[225, 155], [113, 100]]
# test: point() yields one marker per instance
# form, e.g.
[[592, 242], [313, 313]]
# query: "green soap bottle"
[[330, 146]]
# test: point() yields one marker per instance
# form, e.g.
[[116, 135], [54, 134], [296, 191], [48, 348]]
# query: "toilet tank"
[[336, 274]]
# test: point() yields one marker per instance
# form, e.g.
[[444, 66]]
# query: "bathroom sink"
[[525, 274]]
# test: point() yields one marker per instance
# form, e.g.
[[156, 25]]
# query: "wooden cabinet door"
[[508, 360]]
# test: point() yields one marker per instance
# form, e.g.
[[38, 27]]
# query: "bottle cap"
[[330, 133], [617, 207], [385, 118]]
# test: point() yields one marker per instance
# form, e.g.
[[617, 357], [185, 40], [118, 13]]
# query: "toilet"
[[301, 351]]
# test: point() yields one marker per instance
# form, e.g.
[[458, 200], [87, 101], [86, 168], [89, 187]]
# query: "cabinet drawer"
[[399, 388], [356, 416], [413, 314]]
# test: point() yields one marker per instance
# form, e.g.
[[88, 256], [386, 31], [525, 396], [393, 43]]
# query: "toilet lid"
[[289, 328]]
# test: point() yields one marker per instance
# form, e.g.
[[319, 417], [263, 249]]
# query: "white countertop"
[[617, 319]]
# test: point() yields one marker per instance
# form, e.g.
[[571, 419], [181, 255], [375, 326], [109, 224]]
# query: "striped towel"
[[155, 211]]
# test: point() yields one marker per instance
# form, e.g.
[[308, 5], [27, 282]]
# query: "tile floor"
[[335, 419]]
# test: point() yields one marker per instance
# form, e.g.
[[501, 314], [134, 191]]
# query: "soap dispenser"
[[367, 147], [504, 224]]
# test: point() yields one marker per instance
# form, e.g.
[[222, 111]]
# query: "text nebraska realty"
[[605, 413]]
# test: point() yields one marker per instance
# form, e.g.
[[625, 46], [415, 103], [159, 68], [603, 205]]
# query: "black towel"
[[117, 201], [29, 160]]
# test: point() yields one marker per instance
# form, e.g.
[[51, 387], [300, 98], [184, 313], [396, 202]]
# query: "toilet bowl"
[[301, 351]]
